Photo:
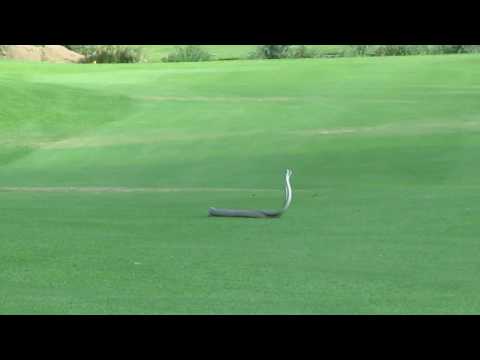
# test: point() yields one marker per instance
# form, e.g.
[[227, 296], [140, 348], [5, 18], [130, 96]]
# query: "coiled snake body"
[[258, 213]]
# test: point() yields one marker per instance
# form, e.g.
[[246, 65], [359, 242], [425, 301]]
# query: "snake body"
[[258, 213]]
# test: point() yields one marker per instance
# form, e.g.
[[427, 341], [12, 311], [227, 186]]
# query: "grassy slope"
[[155, 53], [384, 218]]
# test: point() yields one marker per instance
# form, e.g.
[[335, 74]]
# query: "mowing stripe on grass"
[[82, 189], [99, 141], [218, 98]]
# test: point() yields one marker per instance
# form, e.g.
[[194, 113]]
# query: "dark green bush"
[[110, 53], [270, 52], [471, 48], [357, 50], [387, 50], [300, 52], [283, 52], [188, 53], [392, 50], [451, 49], [446, 49], [418, 49]]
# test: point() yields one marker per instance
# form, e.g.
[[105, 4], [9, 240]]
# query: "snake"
[[259, 213]]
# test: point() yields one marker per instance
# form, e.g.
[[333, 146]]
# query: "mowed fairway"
[[107, 172]]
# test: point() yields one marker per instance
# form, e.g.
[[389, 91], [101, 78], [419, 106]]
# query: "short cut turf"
[[386, 159]]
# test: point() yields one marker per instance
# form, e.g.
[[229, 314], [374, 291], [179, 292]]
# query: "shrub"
[[188, 53], [452, 49], [283, 52], [110, 53], [299, 52], [386, 50], [471, 48], [445, 49], [270, 52], [417, 49], [392, 50], [357, 50], [398, 50]]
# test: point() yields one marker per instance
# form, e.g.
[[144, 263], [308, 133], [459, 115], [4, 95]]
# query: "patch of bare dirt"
[[48, 53], [58, 53]]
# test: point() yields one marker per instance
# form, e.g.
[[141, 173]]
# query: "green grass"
[[155, 53], [384, 218]]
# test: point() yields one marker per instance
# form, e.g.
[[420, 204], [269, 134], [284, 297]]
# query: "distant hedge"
[[282, 52], [401, 50], [191, 53], [188, 53], [109, 53]]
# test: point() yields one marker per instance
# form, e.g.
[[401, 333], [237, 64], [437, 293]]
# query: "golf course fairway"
[[107, 173]]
